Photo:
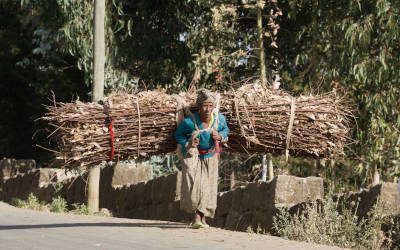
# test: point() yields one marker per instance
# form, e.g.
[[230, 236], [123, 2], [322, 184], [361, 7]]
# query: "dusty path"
[[27, 229]]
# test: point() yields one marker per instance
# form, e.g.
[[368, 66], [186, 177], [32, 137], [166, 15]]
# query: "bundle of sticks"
[[127, 126], [271, 121]]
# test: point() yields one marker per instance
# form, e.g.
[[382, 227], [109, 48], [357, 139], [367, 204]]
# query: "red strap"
[[111, 130], [218, 148], [204, 152]]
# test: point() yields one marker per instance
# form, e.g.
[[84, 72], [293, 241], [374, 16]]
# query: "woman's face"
[[205, 110]]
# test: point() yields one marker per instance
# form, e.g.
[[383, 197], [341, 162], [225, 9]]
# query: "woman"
[[199, 137]]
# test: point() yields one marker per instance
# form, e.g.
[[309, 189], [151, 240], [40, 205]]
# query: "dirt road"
[[27, 229]]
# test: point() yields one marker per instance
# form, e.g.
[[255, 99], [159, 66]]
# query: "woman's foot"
[[203, 221], [198, 225], [197, 217], [199, 221]]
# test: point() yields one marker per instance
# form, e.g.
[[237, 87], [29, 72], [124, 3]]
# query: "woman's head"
[[206, 101], [206, 109]]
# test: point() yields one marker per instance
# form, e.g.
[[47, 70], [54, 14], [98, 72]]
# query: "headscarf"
[[204, 95]]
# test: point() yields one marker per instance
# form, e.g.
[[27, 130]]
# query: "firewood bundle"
[[265, 121], [127, 126]]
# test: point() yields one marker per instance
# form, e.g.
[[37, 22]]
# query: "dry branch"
[[143, 124]]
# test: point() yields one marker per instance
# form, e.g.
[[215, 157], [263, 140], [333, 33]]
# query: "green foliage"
[[212, 40], [58, 186], [352, 47], [76, 37], [324, 224], [393, 227], [31, 67], [103, 212], [80, 208], [58, 205], [16, 202], [164, 165], [348, 46], [32, 202]]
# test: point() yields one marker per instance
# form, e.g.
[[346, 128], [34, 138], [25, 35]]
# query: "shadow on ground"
[[59, 225]]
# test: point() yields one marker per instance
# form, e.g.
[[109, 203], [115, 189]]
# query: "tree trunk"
[[261, 43], [322, 163], [97, 92], [314, 167], [232, 179], [263, 73], [376, 178], [332, 173]]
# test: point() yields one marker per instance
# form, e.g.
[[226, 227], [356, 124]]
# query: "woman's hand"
[[215, 135], [194, 141]]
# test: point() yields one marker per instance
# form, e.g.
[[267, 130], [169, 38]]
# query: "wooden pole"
[[270, 168], [98, 50], [97, 92], [264, 168]]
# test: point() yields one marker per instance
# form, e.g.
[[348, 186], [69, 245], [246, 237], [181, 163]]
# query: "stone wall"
[[19, 179], [385, 192], [254, 206], [129, 191], [42, 182], [112, 178], [12, 167], [153, 199], [125, 174]]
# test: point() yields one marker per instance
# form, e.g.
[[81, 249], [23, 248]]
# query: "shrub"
[[392, 227], [323, 223], [80, 208], [32, 202], [16, 202], [58, 205]]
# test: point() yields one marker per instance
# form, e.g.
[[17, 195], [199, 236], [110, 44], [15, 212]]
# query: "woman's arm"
[[223, 129], [182, 134]]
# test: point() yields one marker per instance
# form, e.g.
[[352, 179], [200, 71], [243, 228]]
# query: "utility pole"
[[97, 92]]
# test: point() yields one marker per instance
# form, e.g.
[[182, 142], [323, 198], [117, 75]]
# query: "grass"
[[32, 202], [58, 205], [322, 223], [79, 208]]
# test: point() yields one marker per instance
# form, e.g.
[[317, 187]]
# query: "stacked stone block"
[[254, 206], [129, 191], [154, 199]]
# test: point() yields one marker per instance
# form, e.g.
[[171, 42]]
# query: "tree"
[[349, 46], [352, 47], [31, 66]]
